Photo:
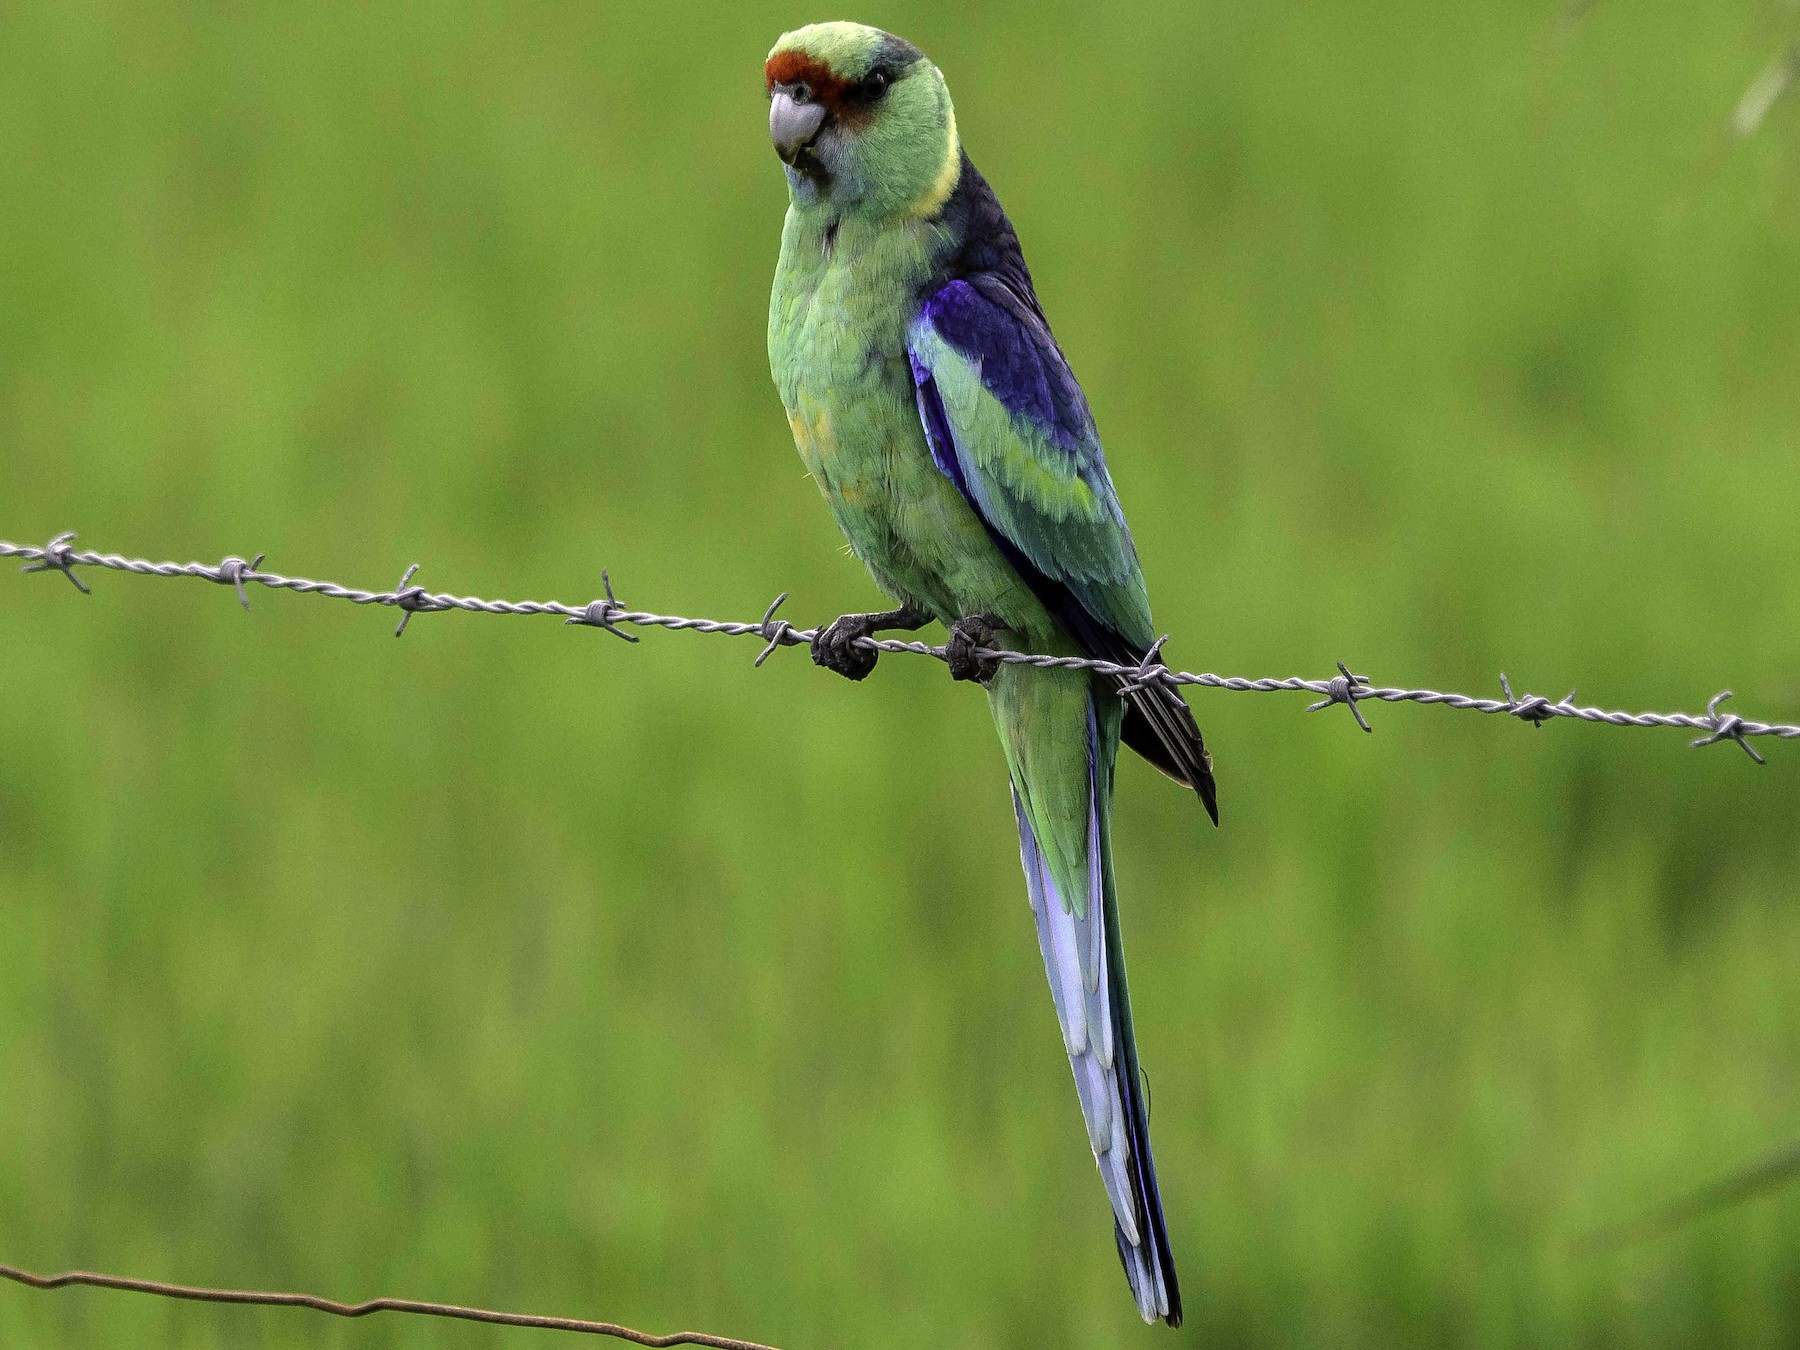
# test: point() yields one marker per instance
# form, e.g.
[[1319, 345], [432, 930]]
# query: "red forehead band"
[[799, 68]]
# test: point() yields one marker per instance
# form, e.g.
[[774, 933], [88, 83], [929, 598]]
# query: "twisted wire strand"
[[608, 612]]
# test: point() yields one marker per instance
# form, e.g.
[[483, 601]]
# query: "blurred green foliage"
[[509, 965]]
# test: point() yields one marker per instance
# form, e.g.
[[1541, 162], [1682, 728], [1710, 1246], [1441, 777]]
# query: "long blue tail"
[[1085, 960]]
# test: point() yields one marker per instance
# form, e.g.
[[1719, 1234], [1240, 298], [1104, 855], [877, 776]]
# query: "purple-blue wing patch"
[[986, 321], [937, 425]]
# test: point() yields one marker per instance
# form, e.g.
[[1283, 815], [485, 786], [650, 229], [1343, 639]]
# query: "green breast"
[[837, 343], [837, 349]]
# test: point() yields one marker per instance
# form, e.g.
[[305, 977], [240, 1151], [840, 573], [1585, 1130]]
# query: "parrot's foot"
[[966, 635], [834, 647]]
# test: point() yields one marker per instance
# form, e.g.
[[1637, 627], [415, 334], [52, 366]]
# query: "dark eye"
[[874, 85]]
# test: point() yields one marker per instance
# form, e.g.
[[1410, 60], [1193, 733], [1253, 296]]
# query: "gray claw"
[[966, 637], [834, 647]]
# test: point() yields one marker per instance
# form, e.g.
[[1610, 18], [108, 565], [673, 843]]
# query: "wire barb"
[[57, 556], [1150, 670], [232, 572], [610, 613], [1345, 688], [601, 613], [1726, 727], [778, 632], [411, 599], [1533, 708]]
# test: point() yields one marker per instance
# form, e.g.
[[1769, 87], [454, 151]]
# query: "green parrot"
[[938, 416]]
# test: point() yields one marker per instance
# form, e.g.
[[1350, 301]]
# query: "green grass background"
[[512, 966]]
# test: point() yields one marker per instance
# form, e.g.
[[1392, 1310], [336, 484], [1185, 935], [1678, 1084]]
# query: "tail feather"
[[1078, 938], [1152, 1264]]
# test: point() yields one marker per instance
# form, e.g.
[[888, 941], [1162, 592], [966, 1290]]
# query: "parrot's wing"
[[1010, 427]]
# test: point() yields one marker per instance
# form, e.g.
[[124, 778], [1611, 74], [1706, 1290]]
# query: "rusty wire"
[[400, 1305]]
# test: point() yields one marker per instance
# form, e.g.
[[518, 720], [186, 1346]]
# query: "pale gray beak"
[[792, 125]]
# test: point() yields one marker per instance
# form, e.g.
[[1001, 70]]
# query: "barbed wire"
[[608, 613], [374, 1305]]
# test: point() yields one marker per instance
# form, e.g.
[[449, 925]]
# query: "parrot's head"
[[861, 119]]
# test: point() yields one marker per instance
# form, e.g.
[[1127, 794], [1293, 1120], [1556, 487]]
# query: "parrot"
[[957, 453]]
